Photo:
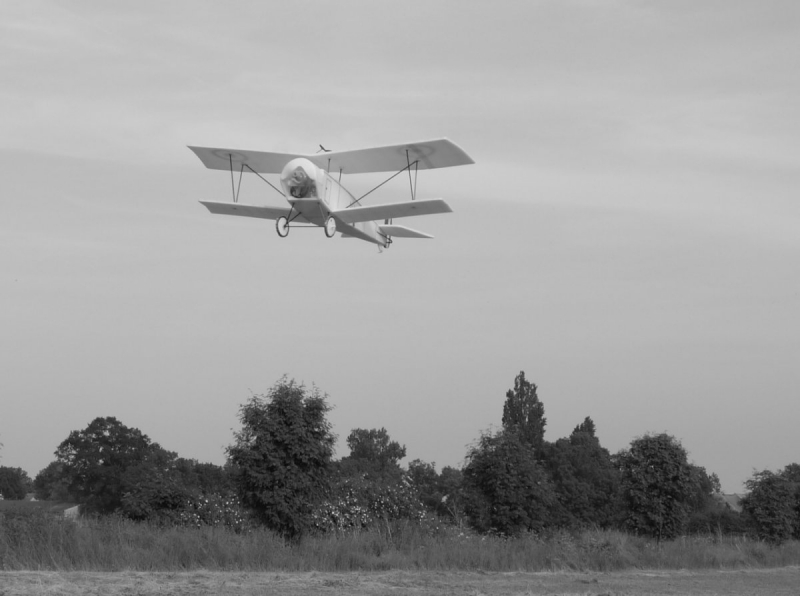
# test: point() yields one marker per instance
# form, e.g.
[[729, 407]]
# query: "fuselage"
[[313, 193]]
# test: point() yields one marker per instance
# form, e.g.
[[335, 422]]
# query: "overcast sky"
[[629, 235]]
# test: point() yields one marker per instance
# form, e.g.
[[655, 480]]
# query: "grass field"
[[41, 542], [750, 582]]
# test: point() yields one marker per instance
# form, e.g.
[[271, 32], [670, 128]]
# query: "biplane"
[[311, 184]]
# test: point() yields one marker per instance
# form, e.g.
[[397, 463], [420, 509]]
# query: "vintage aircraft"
[[316, 198]]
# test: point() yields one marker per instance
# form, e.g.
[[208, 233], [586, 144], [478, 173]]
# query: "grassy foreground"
[[43, 542]]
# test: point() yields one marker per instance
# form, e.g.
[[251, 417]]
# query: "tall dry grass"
[[43, 542]]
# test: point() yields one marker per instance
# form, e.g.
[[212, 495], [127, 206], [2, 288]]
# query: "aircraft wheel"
[[282, 227], [330, 227]]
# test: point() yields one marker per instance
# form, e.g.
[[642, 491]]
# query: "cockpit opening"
[[300, 185]]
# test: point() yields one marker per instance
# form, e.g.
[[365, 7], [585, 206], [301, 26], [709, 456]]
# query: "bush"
[[658, 486], [216, 511], [14, 483], [359, 503], [771, 505], [283, 456], [505, 488]]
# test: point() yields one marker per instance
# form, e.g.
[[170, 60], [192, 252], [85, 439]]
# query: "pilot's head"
[[298, 177]]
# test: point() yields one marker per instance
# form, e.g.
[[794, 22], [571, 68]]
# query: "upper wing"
[[258, 161], [392, 210], [246, 210], [439, 153]]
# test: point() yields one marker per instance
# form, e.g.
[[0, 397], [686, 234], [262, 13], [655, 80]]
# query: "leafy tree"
[[95, 460], [772, 505], [440, 493], [283, 455], [708, 512], [14, 483], [451, 484], [373, 453], [369, 487], [153, 489], [425, 479], [585, 479], [791, 474], [506, 488], [586, 427], [705, 485], [51, 484], [204, 478], [657, 485], [523, 413]]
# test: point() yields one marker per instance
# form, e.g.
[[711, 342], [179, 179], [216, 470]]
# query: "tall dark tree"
[[586, 427], [14, 483], [283, 454], [523, 413], [93, 461], [657, 485], [506, 490], [585, 479]]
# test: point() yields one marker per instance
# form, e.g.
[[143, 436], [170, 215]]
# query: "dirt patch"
[[654, 583]]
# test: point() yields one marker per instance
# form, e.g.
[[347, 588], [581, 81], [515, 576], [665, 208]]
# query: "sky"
[[628, 234]]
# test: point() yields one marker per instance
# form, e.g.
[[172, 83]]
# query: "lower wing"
[[246, 210], [392, 210]]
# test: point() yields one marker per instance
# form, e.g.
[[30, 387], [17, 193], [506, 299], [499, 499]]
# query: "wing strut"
[[235, 192], [235, 188], [265, 180], [408, 167], [412, 185]]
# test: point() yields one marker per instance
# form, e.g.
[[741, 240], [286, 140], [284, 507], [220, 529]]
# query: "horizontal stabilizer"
[[392, 210], [402, 232], [246, 210]]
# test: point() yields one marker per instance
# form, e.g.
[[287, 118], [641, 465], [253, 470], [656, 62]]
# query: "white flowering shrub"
[[358, 503], [216, 510]]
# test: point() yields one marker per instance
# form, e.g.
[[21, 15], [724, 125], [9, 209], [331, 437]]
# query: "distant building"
[[68, 510]]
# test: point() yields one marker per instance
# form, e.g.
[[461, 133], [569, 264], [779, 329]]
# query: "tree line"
[[281, 473]]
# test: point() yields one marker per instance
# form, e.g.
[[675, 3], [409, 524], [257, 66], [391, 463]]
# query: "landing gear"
[[282, 227], [330, 227]]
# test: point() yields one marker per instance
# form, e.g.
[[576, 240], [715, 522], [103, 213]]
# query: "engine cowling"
[[299, 179]]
